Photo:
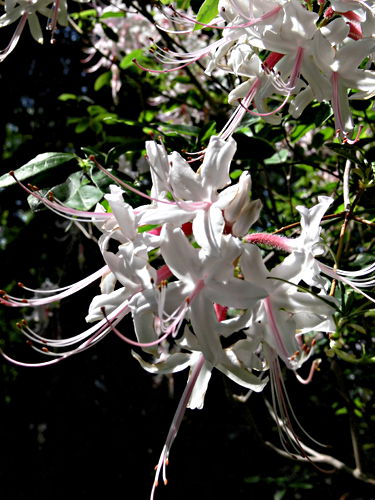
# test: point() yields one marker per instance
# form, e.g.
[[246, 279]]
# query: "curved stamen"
[[176, 422], [314, 367], [62, 210], [52, 22], [128, 186], [353, 283], [61, 292], [277, 335], [284, 413], [14, 40], [98, 332], [251, 21]]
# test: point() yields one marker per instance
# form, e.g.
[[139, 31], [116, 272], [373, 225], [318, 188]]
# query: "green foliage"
[[207, 12], [37, 165]]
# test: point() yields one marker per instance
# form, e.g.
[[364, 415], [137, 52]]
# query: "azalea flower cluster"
[[194, 280], [132, 31], [281, 52], [188, 266], [26, 12]]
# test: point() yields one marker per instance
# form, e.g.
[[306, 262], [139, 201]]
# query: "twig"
[[348, 211], [323, 458], [315, 456], [325, 217]]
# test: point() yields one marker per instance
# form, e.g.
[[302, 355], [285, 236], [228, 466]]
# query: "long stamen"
[[52, 22], [314, 367], [176, 422], [269, 113], [277, 335], [128, 186], [284, 412], [61, 292], [336, 105], [354, 283], [16, 36], [60, 209], [251, 21]]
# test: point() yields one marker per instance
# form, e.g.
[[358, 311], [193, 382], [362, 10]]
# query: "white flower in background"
[[132, 30], [27, 12]]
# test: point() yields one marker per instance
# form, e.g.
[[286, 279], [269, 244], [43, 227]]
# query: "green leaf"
[[80, 194], [280, 156], [208, 11], [235, 174], [110, 33], [357, 328], [279, 495], [148, 227], [82, 126], [67, 97], [107, 15], [299, 131], [183, 4], [207, 131], [95, 109], [103, 80], [252, 479], [322, 112], [127, 61], [129, 144], [347, 151], [40, 163], [182, 129], [341, 411], [85, 14]]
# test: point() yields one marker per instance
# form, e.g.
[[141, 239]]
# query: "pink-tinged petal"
[[185, 183], [165, 214], [242, 376], [173, 363], [208, 226], [16, 36], [35, 29], [179, 255], [159, 168], [198, 393], [204, 322], [216, 165], [122, 212], [350, 56], [110, 301], [235, 293]]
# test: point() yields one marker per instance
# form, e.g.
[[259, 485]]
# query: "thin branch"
[[347, 215], [325, 217], [323, 458], [314, 456]]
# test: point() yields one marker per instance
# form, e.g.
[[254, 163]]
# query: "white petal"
[[196, 400]]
